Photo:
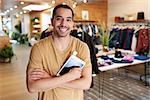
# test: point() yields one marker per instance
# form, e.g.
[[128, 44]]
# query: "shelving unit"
[[133, 21], [36, 27]]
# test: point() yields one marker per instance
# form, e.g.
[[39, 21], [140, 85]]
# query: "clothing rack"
[[133, 25], [128, 36]]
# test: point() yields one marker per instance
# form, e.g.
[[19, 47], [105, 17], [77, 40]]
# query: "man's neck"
[[61, 42]]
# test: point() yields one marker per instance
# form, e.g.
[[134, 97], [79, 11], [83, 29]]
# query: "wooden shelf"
[[133, 21], [36, 27], [85, 21]]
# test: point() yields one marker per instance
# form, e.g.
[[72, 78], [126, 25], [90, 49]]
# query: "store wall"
[[97, 11], [148, 9], [127, 7]]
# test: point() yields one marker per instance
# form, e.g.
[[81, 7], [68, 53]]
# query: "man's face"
[[63, 22]]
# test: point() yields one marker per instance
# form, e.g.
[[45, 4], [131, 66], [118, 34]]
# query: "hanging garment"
[[128, 39], [88, 39], [143, 42], [45, 33], [90, 31], [115, 38], [134, 40]]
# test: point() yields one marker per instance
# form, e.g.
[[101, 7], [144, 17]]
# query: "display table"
[[135, 62], [123, 65]]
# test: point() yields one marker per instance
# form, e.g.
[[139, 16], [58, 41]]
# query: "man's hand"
[[37, 73], [75, 73]]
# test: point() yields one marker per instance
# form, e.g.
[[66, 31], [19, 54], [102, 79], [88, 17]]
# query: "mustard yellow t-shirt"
[[46, 55]]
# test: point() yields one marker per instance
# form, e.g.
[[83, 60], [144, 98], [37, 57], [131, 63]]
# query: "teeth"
[[63, 29]]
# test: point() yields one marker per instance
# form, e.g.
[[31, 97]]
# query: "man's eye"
[[58, 18], [69, 20]]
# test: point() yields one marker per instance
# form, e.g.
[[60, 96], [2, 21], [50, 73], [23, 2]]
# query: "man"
[[48, 55]]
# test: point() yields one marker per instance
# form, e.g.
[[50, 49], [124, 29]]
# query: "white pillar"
[[25, 23], [1, 23]]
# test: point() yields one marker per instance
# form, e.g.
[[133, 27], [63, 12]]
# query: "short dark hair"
[[62, 6]]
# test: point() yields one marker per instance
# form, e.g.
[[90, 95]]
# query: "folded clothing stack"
[[142, 57]]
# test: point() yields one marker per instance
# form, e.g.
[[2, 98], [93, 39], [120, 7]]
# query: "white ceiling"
[[7, 4]]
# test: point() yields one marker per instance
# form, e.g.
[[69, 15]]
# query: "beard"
[[62, 31]]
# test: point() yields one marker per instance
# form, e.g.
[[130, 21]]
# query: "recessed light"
[[21, 3], [53, 2], [36, 7], [11, 8], [21, 12], [85, 1], [15, 6], [24, 11], [64, 3]]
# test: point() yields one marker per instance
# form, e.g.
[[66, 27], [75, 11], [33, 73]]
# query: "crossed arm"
[[40, 80]]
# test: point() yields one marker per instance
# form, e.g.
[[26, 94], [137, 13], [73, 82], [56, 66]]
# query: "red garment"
[[143, 41]]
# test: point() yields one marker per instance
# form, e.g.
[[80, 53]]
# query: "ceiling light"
[[7, 10], [64, 3], [85, 1], [24, 11], [15, 6], [36, 7], [17, 15], [53, 2], [21, 13], [21, 3], [73, 5], [11, 8]]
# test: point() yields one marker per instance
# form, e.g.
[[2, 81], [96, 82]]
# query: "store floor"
[[12, 76], [13, 84]]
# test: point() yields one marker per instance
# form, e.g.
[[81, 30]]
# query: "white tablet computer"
[[72, 62]]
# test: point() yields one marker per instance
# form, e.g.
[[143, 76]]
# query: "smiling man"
[[48, 55]]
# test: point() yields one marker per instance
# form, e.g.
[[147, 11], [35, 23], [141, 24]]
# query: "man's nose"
[[63, 22]]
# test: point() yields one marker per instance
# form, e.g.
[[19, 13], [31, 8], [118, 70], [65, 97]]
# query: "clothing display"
[[46, 33], [89, 41], [91, 29], [143, 42], [142, 57], [40, 58], [130, 38], [123, 37]]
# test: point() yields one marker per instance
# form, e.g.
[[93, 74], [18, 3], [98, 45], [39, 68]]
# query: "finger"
[[41, 70], [35, 69], [34, 78], [31, 77], [79, 69], [38, 69], [36, 73]]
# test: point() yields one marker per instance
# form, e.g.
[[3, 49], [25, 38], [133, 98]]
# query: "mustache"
[[62, 26]]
